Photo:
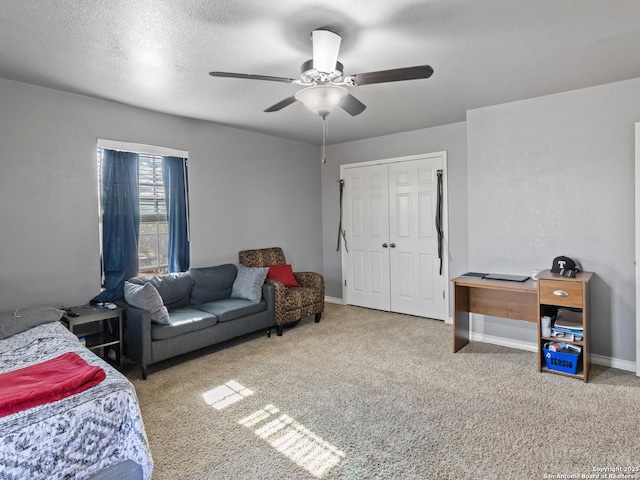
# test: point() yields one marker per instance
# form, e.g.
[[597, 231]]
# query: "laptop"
[[504, 276], [475, 274]]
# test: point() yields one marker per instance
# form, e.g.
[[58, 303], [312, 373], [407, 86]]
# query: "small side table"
[[110, 333]]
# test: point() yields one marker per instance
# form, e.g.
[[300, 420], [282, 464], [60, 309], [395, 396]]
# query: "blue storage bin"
[[566, 362]]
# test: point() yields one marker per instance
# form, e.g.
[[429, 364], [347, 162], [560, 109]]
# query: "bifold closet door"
[[366, 221], [416, 284], [391, 258]]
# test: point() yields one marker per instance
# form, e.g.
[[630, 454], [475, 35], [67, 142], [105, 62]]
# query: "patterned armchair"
[[291, 303]]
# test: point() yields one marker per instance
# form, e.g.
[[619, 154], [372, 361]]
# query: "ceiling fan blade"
[[352, 105], [326, 46], [280, 105], [395, 75], [253, 77]]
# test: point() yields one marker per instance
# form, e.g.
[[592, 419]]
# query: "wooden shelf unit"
[[554, 292]]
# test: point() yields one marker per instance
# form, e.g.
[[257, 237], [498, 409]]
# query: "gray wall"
[[555, 176], [532, 180], [449, 138], [247, 190], [547, 176]]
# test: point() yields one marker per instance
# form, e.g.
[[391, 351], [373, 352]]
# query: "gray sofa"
[[201, 313]]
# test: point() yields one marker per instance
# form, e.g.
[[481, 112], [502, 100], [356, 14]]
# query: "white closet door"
[[417, 286], [366, 222], [391, 258]]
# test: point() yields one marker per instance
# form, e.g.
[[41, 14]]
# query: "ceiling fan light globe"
[[321, 99]]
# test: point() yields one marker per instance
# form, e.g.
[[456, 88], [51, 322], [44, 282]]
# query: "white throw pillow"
[[248, 283], [147, 297]]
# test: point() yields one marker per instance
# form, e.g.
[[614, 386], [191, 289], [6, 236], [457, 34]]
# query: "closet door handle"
[[560, 293], [393, 245], [384, 245]]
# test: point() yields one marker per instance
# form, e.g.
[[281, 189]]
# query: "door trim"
[[637, 147], [445, 219]]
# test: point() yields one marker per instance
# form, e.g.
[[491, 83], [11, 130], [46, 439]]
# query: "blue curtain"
[[120, 222], [174, 173]]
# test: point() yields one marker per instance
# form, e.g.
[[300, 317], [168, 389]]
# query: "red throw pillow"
[[284, 274]]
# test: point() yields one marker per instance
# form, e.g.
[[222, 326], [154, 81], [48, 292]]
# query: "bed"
[[96, 434]]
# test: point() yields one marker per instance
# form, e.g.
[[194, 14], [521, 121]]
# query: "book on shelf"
[[577, 331]]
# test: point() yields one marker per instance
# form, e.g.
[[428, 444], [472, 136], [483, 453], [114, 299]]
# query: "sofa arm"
[[137, 335], [269, 296], [310, 280], [279, 300]]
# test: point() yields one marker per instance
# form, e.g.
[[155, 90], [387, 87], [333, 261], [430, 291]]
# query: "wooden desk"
[[498, 298]]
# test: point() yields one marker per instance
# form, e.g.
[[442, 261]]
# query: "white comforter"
[[78, 436]]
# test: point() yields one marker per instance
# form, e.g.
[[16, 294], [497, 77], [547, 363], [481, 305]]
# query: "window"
[[153, 242], [154, 229]]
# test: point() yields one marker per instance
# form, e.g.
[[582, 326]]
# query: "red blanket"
[[46, 382]]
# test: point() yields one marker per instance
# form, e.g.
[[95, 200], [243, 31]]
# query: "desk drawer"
[[563, 293]]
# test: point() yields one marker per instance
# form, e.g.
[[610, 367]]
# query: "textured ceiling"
[[157, 55]]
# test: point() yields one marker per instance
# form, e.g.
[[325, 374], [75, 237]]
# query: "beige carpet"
[[373, 395]]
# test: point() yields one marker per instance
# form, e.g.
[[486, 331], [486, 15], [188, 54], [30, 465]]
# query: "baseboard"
[[335, 300], [503, 342], [613, 362], [533, 347]]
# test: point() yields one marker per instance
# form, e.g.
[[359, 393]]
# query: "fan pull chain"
[[324, 138]]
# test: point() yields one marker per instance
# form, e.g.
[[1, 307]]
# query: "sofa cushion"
[[147, 298], [212, 283], [248, 283], [174, 288], [232, 308], [298, 297], [181, 321]]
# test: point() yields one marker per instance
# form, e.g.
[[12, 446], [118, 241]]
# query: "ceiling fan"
[[324, 80]]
